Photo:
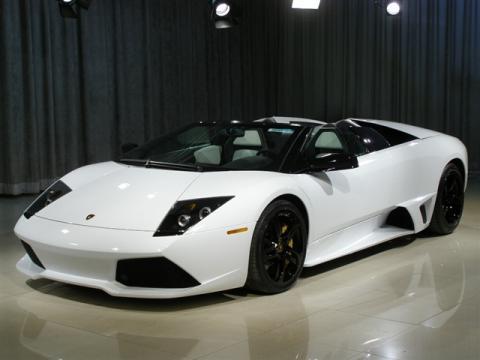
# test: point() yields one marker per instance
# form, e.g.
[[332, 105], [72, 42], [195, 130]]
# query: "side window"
[[372, 139], [251, 138], [323, 141], [361, 140], [354, 143], [247, 146], [393, 136], [328, 141]]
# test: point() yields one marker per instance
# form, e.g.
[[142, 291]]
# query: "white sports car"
[[216, 206]]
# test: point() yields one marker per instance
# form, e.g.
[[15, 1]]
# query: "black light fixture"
[[225, 13], [71, 8]]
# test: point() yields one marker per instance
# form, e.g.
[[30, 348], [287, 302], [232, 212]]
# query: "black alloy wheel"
[[450, 198], [278, 248]]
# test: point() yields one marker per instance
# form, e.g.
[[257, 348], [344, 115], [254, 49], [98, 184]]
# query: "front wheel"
[[278, 249], [449, 204]]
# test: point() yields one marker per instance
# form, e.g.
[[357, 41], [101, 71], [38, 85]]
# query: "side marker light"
[[236, 231]]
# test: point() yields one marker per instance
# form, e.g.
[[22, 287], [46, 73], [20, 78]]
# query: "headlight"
[[185, 214], [54, 192]]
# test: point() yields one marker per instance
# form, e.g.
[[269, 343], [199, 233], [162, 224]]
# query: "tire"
[[278, 248], [449, 204]]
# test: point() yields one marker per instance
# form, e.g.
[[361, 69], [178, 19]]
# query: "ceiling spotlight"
[[71, 8], [222, 9], [305, 4], [393, 8], [226, 13]]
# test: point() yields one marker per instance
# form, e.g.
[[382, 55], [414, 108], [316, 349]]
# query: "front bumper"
[[88, 256]]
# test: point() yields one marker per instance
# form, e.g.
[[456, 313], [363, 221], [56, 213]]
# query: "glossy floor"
[[405, 300]]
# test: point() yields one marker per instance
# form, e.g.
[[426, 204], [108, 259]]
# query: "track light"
[[226, 13], [393, 8], [71, 8]]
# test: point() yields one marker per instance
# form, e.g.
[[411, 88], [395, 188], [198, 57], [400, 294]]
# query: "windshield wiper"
[[173, 166], [161, 165], [132, 161]]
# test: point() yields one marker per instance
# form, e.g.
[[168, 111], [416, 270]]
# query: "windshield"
[[218, 146]]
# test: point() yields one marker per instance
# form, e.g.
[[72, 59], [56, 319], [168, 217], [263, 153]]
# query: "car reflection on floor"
[[425, 287]]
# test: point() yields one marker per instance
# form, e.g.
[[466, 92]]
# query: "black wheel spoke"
[[269, 265], [293, 257], [290, 272], [277, 226], [272, 257], [283, 272], [278, 267], [293, 230], [271, 249]]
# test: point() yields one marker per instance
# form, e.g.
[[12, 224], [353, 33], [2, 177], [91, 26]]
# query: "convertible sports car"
[[215, 206]]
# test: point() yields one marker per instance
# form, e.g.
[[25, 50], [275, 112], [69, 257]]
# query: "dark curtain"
[[350, 59], [72, 91]]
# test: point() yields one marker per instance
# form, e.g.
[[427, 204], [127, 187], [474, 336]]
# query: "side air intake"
[[400, 217], [32, 255], [423, 211]]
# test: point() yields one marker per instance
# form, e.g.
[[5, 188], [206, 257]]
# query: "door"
[[343, 199]]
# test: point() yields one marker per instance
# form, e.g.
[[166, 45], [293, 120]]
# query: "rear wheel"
[[449, 204], [278, 248]]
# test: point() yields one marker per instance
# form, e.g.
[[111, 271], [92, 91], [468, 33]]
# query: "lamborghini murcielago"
[[215, 206]]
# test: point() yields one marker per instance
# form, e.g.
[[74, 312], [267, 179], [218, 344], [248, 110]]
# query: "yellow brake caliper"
[[290, 241]]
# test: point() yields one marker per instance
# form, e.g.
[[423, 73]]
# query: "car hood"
[[124, 197]]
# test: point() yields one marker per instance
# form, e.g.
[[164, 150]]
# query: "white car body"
[[346, 209]]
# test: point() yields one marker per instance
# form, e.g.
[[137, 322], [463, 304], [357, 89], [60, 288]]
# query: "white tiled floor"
[[406, 300]]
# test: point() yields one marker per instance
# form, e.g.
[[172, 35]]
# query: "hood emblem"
[[90, 216]]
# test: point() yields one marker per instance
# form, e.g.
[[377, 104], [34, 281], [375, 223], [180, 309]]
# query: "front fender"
[[252, 191]]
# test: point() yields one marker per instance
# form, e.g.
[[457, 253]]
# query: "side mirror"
[[333, 162], [128, 147]]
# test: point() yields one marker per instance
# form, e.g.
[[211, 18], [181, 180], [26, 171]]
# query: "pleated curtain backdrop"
[[350, 59], [72, 91]]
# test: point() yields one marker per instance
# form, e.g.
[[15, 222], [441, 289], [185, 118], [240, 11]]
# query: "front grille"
[[153, 273], [32, 255]]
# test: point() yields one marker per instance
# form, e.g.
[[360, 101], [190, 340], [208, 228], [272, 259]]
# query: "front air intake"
[[153, 273], [32, 255]]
